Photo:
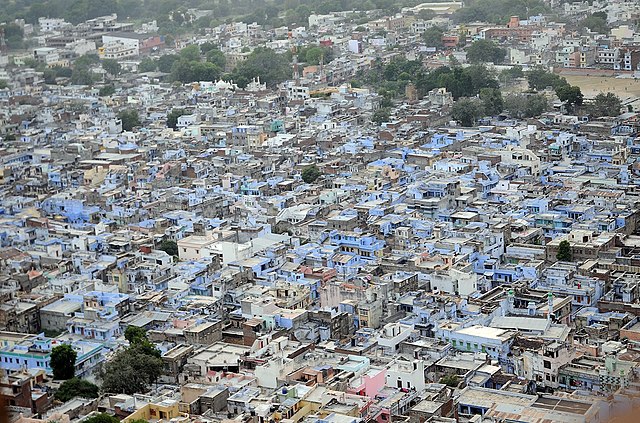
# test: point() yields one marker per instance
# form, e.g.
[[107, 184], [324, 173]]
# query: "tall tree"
[[492, 101], [432, 36], [170, 247], [172, 122], [130, 371], [310, 174], [570, 95], [482, 51], [607, 104], [63, 361], [130, 119], [190, 53], [564, 251], [467, 111], [272, 68], [216, 57], [111, 66]]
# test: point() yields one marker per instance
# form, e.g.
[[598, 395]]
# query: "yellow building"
[[163, 411]]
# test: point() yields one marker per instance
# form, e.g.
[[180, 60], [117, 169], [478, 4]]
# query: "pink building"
[[369, 384]]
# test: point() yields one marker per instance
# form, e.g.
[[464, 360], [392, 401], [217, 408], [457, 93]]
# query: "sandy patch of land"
[[625, 88]]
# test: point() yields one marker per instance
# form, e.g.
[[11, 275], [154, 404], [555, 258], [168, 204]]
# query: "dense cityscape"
[[356, 211]]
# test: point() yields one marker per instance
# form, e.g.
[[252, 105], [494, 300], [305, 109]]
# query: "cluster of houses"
[[425, 272]]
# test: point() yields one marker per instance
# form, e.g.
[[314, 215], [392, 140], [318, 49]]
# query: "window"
[[547, 364]]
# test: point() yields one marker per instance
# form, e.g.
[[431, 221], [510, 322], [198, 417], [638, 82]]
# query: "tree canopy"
[[111, 66], [539, 79], [499, 11], [135, 368], [310, 174], [564, 251], [483, 51], [312, 55], [130, 119], [467, 111], [272, 68], [172, 122], [432, 36], [607, 104], [525, 105], [570, 95], [76, 387], [63, 361], [170, 247], [102, 418], [596, 22], [492, 102]]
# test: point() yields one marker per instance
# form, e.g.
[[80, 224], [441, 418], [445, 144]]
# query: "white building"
[[117, 50], [51, 24], [405, 374]]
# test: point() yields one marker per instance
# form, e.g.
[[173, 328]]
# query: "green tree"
[[135, 334], [191, 71], [101, 418], [147, 65], [432, 36], [492, 101], [172, 122], [170, 247], [107, 90], [564, 251], [526, 105], [312, 55], [507, 76], [536, 105], [190, 53], [51, 74], [76, 387], [111, 66], [607, 104], [596, 23], [499, 11], [485, 51], [426, 14], [450, 380], [3, 84], [87, 60], [165, 63], [130, 119], [63, 361], [381, 115], [131, 371], [539, 79], [467, 111], [216, 57], [310, 174], [570, 95], [139, 343], [272, 68], [81, 76], [14, 36]]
